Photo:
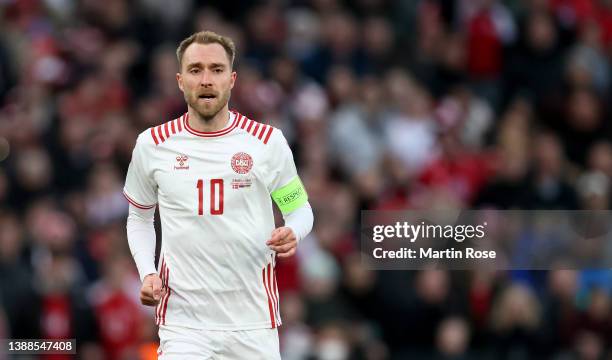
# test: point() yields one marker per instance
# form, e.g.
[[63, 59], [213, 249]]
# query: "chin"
[[207, 114]]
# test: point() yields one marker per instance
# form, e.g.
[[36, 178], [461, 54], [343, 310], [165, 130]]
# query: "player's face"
[[206, 78]]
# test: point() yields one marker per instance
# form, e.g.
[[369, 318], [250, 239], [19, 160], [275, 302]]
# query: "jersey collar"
[[233, 122]]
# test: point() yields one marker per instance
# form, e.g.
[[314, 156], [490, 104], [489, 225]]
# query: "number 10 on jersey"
[[216, 196]]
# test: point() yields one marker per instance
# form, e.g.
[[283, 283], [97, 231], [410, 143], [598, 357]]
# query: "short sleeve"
[[281, 165], [283, 182], [140, 189]]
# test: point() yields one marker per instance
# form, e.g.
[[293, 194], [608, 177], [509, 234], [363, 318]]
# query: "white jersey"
[[213, 192]]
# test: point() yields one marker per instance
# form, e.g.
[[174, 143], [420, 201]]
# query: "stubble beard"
[[207, 114]]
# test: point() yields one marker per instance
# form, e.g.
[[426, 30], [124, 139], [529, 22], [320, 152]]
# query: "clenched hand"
[[283, 241], [152, 290]]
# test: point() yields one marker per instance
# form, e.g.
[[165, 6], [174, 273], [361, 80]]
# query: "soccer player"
[[213, 174]]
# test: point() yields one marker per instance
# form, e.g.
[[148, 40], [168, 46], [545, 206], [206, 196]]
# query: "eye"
[[218, 71], [194, 70]]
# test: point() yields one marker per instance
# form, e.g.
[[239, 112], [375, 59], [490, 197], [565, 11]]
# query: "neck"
[[216, 123]]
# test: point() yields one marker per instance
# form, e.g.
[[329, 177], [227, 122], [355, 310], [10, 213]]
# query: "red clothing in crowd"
[[484, 47], [119, 323], [56, 321], [464, 175]]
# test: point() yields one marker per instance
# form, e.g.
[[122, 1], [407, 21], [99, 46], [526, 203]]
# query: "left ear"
[[233, 79], [179, 80]]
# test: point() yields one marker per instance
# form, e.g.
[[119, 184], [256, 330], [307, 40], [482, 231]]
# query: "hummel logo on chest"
[[181, 162]]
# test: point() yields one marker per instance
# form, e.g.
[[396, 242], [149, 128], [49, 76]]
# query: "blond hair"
[[207, 37]]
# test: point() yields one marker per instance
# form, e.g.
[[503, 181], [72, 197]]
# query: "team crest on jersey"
[[242, 163], [181, 162]]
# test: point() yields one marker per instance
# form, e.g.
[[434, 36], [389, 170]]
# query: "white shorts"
[[187, 344]]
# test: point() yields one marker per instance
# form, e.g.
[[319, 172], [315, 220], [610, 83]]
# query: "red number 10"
[[216, 190]]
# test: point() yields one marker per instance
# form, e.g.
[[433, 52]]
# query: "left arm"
[[298, 224], [289, 194]]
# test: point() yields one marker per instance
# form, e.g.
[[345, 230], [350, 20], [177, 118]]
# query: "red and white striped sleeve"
[[140, 188]]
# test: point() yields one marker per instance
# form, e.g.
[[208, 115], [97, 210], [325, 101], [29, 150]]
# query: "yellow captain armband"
[[291, 196]]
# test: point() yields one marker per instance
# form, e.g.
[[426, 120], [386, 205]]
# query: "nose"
[[206, 78]]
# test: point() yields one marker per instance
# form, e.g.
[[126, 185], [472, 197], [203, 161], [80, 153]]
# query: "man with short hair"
[[212, 172]]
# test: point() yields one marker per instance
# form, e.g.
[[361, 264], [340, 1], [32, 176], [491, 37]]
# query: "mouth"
[[207, 97]]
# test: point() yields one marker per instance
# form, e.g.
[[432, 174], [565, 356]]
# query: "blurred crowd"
[[421, 104]]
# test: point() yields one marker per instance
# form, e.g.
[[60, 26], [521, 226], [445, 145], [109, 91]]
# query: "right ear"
[[179, 80]]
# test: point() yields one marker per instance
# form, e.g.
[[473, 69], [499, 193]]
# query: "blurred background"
[[418, 104]]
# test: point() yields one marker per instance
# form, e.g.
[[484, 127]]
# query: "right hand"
[[151, 291]]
